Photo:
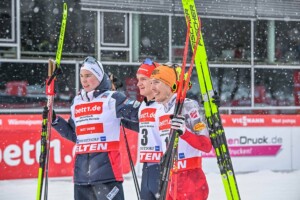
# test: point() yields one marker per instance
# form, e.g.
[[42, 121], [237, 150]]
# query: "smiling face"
[[88, 80], [144, 85], [162, 92]]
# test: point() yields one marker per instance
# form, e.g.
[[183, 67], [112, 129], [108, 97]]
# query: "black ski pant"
[[150, 181], [101, 191]]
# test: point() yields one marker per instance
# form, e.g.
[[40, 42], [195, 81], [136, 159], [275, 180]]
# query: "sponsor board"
[[259, 142], [260, 120], [20, 148], [256, 142]]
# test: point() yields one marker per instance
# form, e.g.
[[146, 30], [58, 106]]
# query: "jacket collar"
[[170, 104]]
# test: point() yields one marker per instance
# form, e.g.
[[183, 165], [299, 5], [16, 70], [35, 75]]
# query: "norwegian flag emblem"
[[194, 114]]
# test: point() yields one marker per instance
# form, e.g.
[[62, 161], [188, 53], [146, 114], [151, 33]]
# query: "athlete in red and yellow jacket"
[[188, 182]]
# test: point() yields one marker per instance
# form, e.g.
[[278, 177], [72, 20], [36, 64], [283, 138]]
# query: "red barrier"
[[20, 148]]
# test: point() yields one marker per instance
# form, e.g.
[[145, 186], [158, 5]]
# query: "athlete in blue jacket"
[[94, 126]]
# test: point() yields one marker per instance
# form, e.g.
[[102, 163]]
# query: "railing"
[[224, 110]]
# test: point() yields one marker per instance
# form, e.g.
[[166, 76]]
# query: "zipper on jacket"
[[89, 169]]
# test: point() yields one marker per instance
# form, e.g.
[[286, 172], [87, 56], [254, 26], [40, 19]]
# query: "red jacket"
[[191, 184]]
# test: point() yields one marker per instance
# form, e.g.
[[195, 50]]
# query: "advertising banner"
[[258, 142], [20, 148], [255, 142]]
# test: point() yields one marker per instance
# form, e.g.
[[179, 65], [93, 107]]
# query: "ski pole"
[[166, 162], [53, 70], [134, 176]]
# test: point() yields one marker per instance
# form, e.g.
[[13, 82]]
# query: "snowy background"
[[261, 185]]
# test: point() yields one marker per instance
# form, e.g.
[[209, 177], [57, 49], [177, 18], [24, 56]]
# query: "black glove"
[[115, 81], [178, 124], [53, 116], [216, 99]]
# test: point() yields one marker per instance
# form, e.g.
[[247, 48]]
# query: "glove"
[[53, 116], [178, 124], [115, 82], [216, 99]]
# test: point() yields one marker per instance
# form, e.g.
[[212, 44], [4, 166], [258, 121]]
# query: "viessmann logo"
[[23, 122], [245, 121]]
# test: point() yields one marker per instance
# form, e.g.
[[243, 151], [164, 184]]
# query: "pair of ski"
[[169, 160], [54, 69], [214, 122]]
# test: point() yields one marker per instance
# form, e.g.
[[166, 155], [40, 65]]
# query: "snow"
[[261, 185]]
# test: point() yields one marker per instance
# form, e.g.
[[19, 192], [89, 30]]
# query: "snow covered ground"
[[261, 185]]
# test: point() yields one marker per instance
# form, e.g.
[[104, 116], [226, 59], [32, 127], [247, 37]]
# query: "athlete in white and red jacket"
[[94, 126], [188, 181], [150, 145]]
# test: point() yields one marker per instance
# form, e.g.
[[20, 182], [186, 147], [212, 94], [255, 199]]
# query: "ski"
[[167, 160], [170, 157], [214, 122], [53, 70]]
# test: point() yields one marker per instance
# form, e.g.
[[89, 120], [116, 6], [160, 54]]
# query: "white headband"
[[96, 69]]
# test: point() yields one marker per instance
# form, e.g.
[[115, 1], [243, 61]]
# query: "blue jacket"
[[93, 168]]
